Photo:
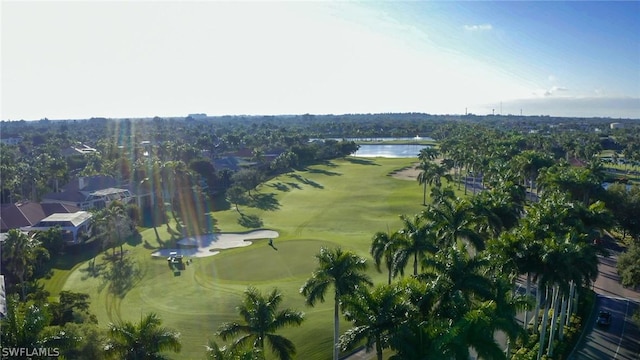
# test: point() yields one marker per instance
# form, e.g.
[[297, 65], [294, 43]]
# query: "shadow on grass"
[[76, 254], [265, 202], [92, 270], [280, 186], [120, 276], [324, 172], [135, 239], [250, 221], [306, 181], [148, 246], [219, 202], [294, 185], [361, 161]]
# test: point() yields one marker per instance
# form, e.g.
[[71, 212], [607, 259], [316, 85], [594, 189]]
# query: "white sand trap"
[[206, 243]]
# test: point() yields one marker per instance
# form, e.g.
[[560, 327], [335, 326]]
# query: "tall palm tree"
[[416, 238], [460, 281], [431, 174], [260, 320], [455, 222], [384, 246], [376, 314], [506, 304], [144, 340], [472, 330], [19, 254], [345, 271], [428, 153], [116, 226]]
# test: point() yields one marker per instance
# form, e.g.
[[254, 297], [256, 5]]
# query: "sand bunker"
[[201, 246]]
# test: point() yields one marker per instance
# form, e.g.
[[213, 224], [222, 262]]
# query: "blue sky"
[[81, 59]]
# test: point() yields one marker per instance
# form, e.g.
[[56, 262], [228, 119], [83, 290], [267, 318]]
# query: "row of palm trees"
[[464, 256]]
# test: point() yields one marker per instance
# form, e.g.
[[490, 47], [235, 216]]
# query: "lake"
[[390, 151]]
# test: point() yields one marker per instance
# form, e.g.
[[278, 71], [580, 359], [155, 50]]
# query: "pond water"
[[390, 151]]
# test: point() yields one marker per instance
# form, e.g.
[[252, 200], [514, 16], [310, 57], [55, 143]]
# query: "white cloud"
[[554, 89], [551, 78], [550, 91], [481, 27]]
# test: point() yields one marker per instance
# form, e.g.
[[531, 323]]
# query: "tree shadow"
[[294, 185], [135, 239], [329, 163], [148, 246], [265, 202], [306, 181], [220, 202], [324, 172], [250, 221], [120, 277], [361, 161], [280, 186], [92, 270], [76, 254]]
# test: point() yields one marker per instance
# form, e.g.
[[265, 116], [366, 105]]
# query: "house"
[[73, 225], [93, 192], [11, 140], [81, 149], [22, 214]]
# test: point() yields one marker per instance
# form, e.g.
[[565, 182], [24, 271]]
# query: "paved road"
[[621, 340]]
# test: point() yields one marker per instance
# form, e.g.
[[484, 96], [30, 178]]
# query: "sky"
[[82, 59]]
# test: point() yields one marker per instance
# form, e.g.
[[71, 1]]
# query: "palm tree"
[[472, 330], [376, 314], [145, 340], [342, 269], [215, 352], [19, 254], [260, 320], [459, 279], [384, 246], [506, 305], [428, 153], [22, 325], [454, 222], [117, 225], [415, 239], [431, 174]]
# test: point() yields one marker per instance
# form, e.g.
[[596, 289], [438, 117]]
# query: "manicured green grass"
[[340, 203]]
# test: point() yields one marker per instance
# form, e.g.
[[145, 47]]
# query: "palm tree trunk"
[[378, 347], [536, 313], [336, 326], [563, 316], [554, 319], [415, 264], [545, 320], [527, 293], [424, 193], [572, 293]]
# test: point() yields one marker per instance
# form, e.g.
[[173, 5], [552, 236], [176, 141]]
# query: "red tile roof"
[[14, 216]]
